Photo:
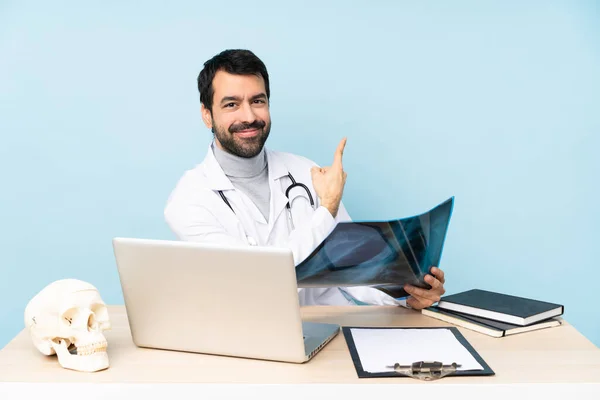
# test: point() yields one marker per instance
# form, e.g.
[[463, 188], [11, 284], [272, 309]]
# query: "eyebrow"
[[259, 96], [230, 98], [237, 98]]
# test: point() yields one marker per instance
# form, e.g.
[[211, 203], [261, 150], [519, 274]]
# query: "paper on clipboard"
[[380, 348]]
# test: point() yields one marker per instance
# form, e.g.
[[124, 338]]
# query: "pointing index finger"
[[339, 152]]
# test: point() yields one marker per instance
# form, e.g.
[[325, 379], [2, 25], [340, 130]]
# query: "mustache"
[[258, 124]]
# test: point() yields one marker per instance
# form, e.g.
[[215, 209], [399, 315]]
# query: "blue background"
[[496, 103]]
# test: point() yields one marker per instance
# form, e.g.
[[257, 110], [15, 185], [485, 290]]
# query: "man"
[[237, 195]]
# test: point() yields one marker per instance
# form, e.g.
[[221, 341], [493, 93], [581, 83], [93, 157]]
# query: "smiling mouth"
[[247, 133]]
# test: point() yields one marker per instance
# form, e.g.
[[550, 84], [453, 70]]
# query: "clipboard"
[[346, 330]]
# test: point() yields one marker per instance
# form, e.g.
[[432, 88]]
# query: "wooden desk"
[[559, 361]]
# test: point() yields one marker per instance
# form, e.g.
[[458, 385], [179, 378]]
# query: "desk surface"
[[555, 355]]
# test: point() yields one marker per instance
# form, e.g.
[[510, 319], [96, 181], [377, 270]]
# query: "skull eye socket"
[[92, 323], [93, 318], [100, 312], [99, 319], [73, 316]]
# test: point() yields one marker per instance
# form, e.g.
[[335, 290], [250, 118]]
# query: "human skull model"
[[67, 318]]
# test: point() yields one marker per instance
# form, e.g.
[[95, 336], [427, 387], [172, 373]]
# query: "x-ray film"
[[384, 255]]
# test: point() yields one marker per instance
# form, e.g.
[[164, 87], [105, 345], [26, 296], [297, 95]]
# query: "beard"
[[242, 147]]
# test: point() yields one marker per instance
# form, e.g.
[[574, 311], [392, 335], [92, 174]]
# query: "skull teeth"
[[93, 348]]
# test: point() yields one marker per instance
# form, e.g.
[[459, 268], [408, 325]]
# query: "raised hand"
[[329, 181]]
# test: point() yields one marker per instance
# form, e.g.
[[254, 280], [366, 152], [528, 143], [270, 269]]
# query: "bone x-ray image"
[[385, 255]]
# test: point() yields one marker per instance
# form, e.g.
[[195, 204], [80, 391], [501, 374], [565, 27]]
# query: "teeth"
[[89, 349]]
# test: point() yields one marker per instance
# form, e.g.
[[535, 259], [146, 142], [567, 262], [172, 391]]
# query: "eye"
[[229, 105], [259, 101]]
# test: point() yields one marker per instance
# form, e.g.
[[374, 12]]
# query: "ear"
[[206, 116]]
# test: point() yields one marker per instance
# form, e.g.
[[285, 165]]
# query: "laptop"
[[239, 301]]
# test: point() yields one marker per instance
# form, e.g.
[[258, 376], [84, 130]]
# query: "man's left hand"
[[423, 298]]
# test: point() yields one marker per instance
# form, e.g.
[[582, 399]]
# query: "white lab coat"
[[196, 212]]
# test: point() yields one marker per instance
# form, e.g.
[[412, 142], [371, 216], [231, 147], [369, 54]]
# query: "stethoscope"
[[294, 184]]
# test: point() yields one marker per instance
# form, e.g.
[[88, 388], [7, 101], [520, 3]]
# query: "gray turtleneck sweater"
[[249, 175]]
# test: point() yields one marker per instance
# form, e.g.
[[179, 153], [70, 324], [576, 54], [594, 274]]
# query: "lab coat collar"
[[277, 168], [216, 178]]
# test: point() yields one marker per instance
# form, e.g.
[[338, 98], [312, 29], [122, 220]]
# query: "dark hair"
[[240, 62]]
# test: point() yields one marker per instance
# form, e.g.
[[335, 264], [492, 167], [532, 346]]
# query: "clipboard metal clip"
[[425, 370]]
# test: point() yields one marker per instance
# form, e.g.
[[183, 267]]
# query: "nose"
[[247, 115]]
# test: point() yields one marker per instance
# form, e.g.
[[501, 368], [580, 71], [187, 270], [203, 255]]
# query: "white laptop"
[[216, 299]]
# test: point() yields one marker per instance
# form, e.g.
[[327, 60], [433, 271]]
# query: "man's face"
[[240, 116]]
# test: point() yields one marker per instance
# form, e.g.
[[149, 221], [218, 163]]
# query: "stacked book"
[[495, 314]]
